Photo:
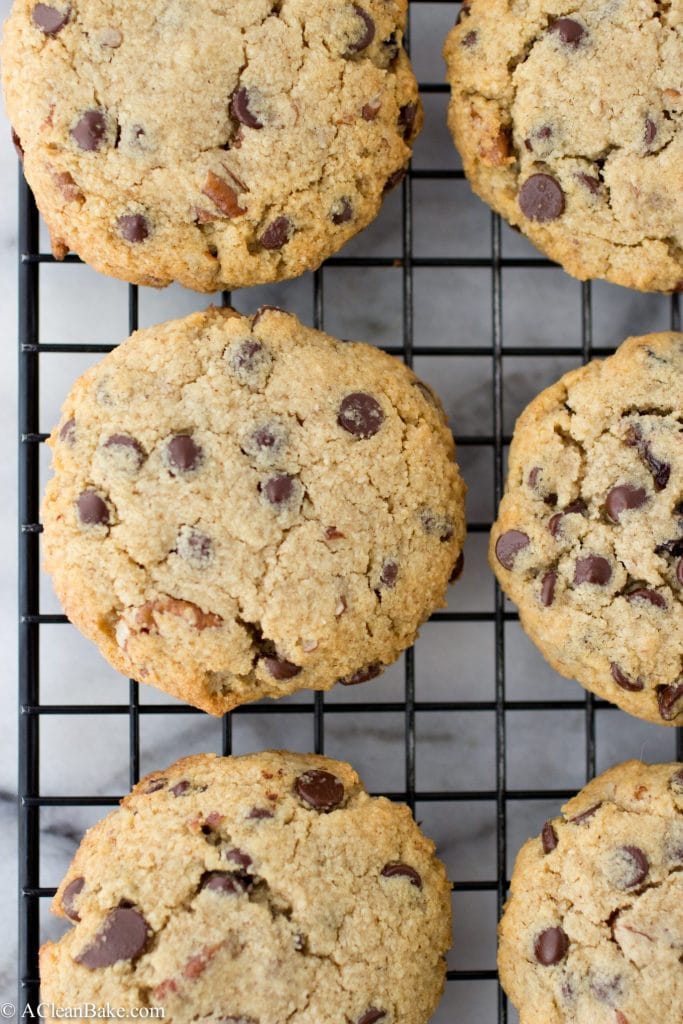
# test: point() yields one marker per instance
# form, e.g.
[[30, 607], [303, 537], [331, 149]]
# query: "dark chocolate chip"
[[194, 546], [396, 869], [89, 133], [123, 936], [225, 882], [438, 526], [650, 133], [623, 498], [391, 47], [577, 507], [133, 227], [48, 19], [508, 546], [676, 781], [389, 574], [248, 356], [370, 111], [276, 234], [464, 11], [541, 198], [367, 34], [469, 40], [239, 108], [128, 444], [394, 179], [458, 567], [636, 866], [92, 510], [551, 946], [69, 896], [154, 785], [280, 668], [548, 588], [579, 819], [181, 788], [661, 471], [183, 453], [589, 182], [342, 211], [593, 569], [259, 813], [67, 434], [360, 414], [371, 1016], [278, 489], [239, 857], [18, 148], [265, 309], [406, 119], [569, 31], [362, 675], [624, 681], [548, 837], [644, 594], [319, 789], [667, 699], [532, 479]]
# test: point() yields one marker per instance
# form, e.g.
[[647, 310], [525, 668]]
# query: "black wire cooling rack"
[[32, 712]]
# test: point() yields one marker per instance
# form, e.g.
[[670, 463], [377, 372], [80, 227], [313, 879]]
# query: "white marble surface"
[[541, 307]]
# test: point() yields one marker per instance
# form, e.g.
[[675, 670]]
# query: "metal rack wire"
[[32, 711]]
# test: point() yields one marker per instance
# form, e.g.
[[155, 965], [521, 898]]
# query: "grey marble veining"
[[455, 661]]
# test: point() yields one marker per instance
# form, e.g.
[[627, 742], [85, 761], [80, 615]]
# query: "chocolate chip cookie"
[[219, 145], [254, 890], [593, 930], [589, 537], [242, 508], [568, 115]]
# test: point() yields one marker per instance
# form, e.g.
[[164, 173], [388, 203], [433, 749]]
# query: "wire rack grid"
[[472, 993]]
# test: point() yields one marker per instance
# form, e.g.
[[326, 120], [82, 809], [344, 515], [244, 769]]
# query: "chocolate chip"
[[624, 681], [239, 857], [593, 569], [508, 546], [276, 234], [92, 510], [679, 572], [69, 896], [250, 361], [133, 227], [464, 11], [239, 108], [67, 434], [577, 507], [278, 489], [342, 211], [469, 40], [362, 675], [667, 699], [589, 182], [319, 789], [396, 869], [569, 31], [394, 179], [183, 454], [48, 19], [194, 546], [406, 119], [18, 148], [389, 574], [551, 946], [458, 568], [370, 110], [661, 471], [579, 819], [123, 936], [360, 414], [548, 589], [225, 882], [634, 866], [280, 668], [650, 133], [89, 133], [541, 198], [154, 785], [676, 781], [128, 444], [532, 479], [371, 1016], [623, 498], [181, 788], [644, 594], [549, 838], [265, 309], [366, 36], [259, 813], [436, 525]]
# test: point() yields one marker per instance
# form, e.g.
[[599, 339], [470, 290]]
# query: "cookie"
[[244, 508], [256, 889], [218, 145], [589, 537], [593, 930], [569, 121]]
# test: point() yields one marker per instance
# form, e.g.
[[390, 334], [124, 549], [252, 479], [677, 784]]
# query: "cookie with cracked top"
[[265, 143], [254, 889], [593, 929], [589, 537], [569, 121], [243, 508]]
